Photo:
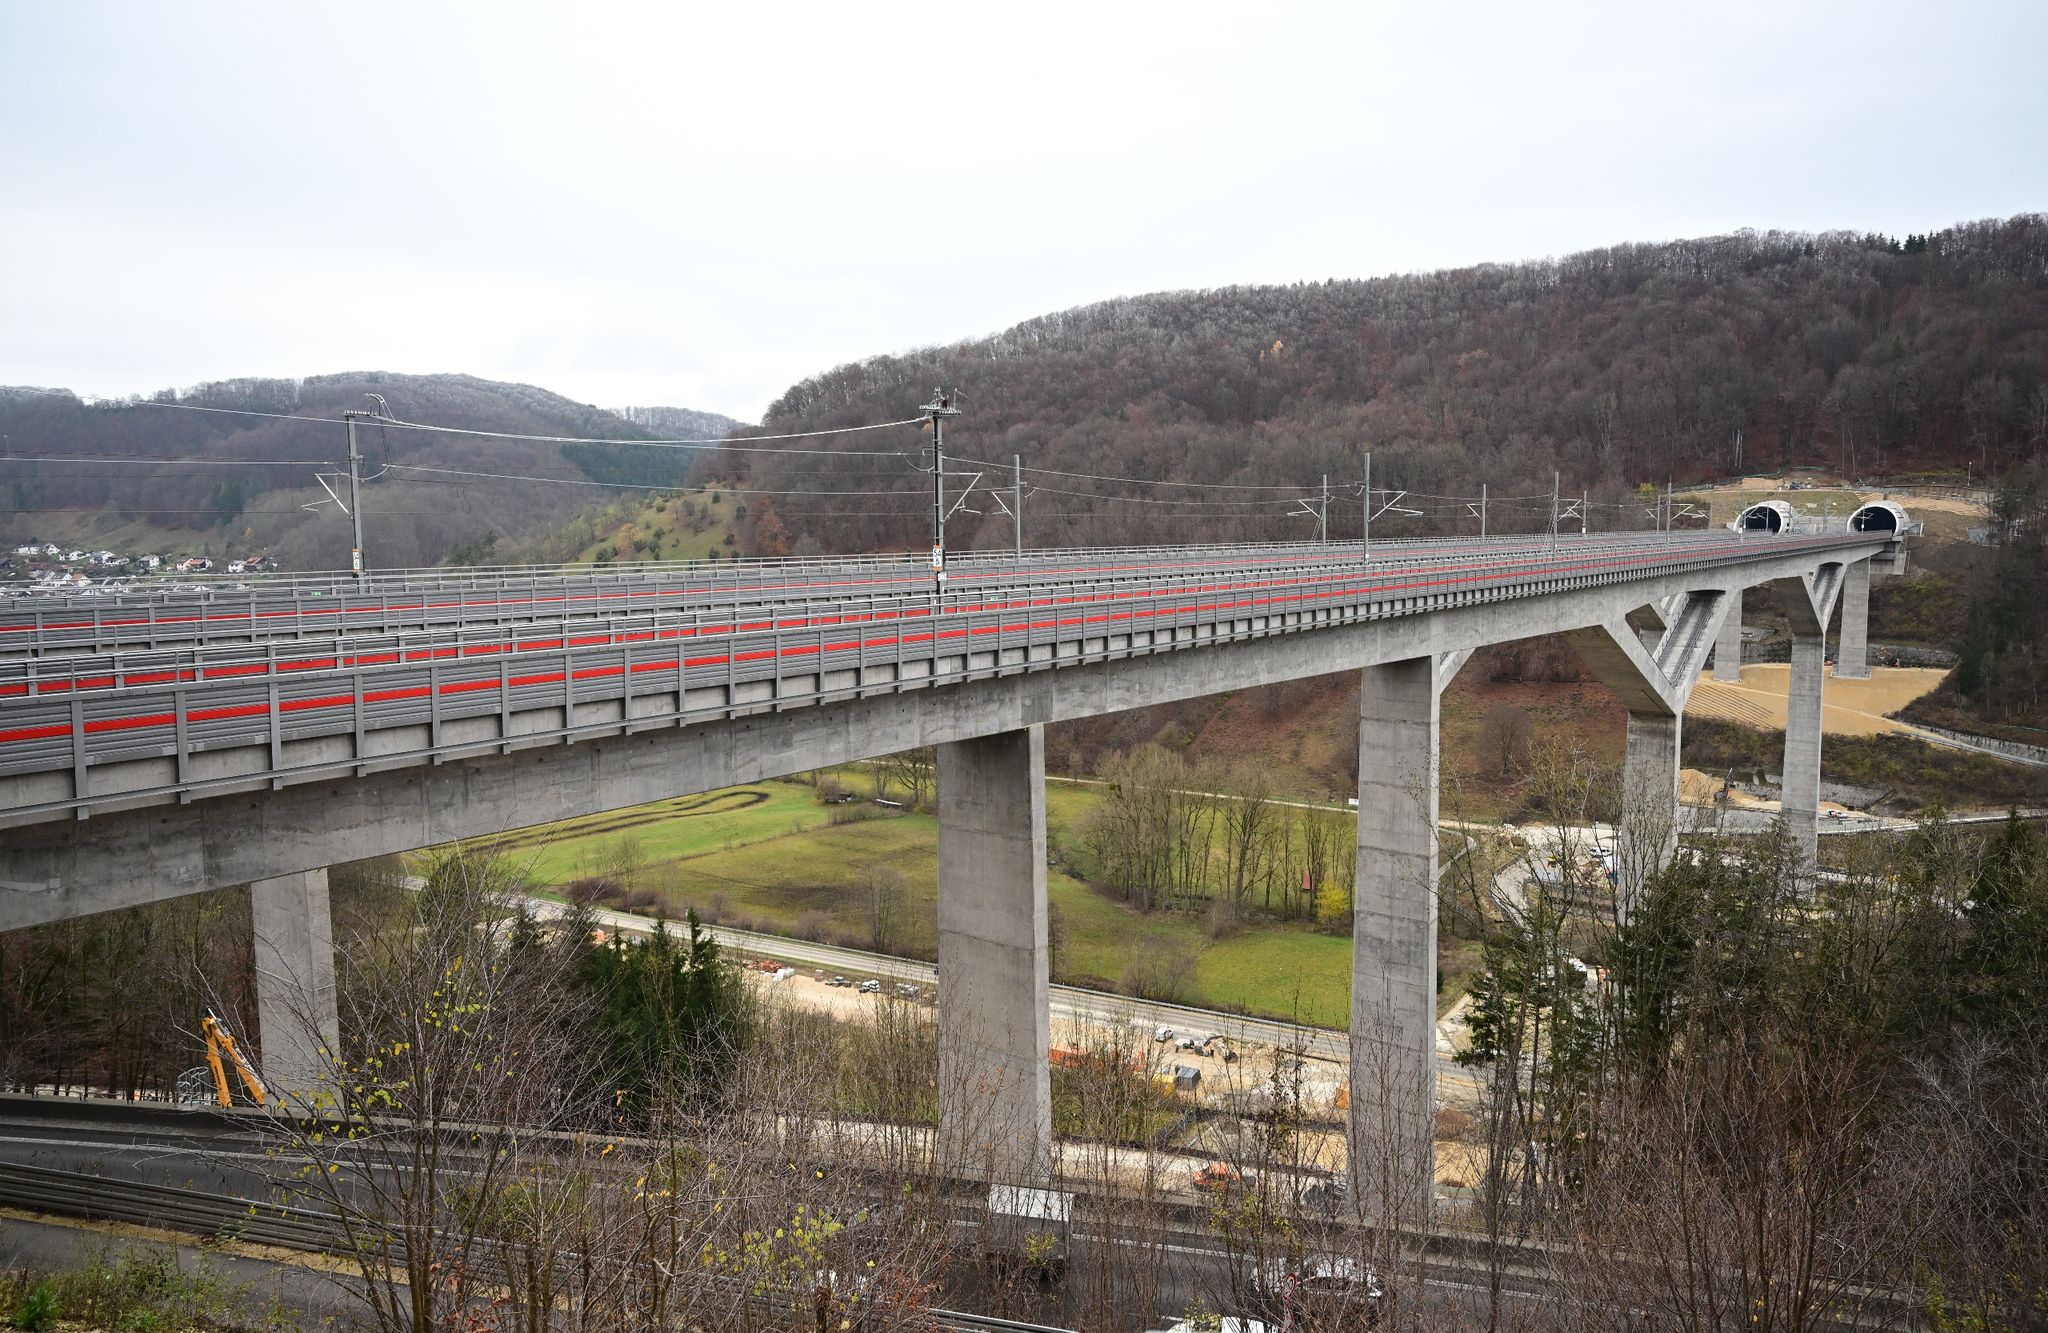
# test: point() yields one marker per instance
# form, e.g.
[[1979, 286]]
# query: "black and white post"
[[356, 563], [938, 409]]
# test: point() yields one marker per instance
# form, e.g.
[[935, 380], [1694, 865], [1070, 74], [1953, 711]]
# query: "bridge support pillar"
[[995, 1091], [1728, 647], [1647, 837], [1393, 967], [295, 1008], [1852, 650], [1802, 744]]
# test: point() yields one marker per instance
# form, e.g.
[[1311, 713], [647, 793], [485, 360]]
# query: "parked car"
[[1319, 1292], [870, 987], [838, 981]]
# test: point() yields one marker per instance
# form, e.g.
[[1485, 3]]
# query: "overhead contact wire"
[[628, 486]]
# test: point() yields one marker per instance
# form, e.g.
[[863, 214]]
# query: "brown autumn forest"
[[1684, 360]]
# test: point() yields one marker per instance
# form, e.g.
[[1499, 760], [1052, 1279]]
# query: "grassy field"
[[688, 826], [827, 883], [771, 857]]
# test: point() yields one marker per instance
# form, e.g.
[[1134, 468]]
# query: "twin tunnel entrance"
[[1776, 516]]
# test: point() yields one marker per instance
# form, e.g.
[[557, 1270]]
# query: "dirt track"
[[619, 821], [1851, 707]]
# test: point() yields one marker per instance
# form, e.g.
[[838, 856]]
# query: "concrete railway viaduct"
[[159, 744]]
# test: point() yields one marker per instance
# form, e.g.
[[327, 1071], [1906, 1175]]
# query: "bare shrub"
[[1504, 737], [1162, 973], [777, 1206]]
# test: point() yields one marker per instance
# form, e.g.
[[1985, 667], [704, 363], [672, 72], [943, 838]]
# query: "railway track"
[[1455, 1264], [218, 1217]]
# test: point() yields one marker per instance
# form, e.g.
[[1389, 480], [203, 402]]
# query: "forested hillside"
[[676, 423], [124, 487], [1637, 363]]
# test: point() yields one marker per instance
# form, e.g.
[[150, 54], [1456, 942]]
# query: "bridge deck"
[[257, 610], [120, 701]]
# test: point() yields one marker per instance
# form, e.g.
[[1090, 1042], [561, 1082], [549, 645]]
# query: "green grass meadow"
[[770, 856]]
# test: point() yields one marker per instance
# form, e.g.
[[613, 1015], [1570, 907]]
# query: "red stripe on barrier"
[[1493, 572]]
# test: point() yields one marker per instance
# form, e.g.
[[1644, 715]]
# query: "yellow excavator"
[[221, 1052]]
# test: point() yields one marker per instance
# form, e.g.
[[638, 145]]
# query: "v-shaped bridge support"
[[1810, 599], [1448, 665], [1653, 676]]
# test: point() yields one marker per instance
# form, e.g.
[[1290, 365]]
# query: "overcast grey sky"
[[698, 205]]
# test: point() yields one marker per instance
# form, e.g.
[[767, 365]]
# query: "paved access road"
[[1070, 1004]]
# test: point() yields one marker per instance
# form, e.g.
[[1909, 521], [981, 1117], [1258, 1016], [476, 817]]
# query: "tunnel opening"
[[1773, 516], [1882, 517]]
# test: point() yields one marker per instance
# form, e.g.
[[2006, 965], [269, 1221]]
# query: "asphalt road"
[[1070, 1004], [317, 1299]]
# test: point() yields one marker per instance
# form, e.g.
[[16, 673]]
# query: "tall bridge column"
[[1728, 647], [1646, 839], [1852, 651], [295, 1008], [995, 1091], [1809, 605], [1393, 936], [1801, 789]]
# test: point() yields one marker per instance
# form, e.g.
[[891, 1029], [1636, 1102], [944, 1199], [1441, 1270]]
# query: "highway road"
[[316, 1298]]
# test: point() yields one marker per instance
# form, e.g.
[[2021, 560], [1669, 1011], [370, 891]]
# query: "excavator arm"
[[221, 1043], [220, 1074]]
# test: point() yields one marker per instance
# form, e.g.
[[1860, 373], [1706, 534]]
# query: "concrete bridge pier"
[[1852, 650], [1728, 647], [995, 1037], [1646, 839], [1801, 790], [1393, 965], [1809, 605], [295, 1006]]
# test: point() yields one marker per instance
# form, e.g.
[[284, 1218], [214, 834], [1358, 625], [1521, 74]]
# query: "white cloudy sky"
[[697, 205]]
